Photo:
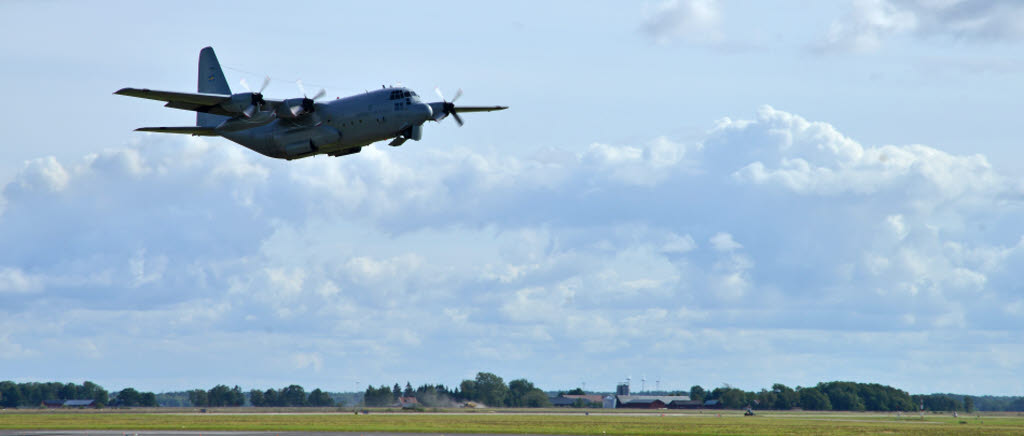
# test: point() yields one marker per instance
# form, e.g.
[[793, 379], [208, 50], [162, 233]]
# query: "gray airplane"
[[300, 127]]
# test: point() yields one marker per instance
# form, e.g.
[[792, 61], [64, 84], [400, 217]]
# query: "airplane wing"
[[190, 130], [463, 109], [190, 101]]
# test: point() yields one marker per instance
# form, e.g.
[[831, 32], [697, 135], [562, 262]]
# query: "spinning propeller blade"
[[257, 97], [306, 104], [449, 106]]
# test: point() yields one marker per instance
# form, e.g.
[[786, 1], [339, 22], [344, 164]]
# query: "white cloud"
[[897, 225], [814, 158], [679, 244], [645, 165], [538, 304], [867, 23], [43, 173], [692, 20], [16, 280], [311, 361], [870, 22], [724, 242]]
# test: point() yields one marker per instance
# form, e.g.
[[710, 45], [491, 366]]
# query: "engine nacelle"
[[240, 102], [416, 132], [294, 108]]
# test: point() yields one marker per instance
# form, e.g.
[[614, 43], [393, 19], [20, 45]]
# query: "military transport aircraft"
[[301, 127]]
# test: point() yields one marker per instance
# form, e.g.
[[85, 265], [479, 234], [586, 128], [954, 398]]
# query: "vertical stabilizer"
[[211, 81]]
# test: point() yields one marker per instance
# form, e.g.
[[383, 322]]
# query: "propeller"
[[307, 103], [257, 97], [449, 106]]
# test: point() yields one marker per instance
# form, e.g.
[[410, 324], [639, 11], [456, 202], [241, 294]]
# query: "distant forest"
[[491, 390]]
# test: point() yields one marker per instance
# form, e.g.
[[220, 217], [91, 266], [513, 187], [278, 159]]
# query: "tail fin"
[[211, 81]]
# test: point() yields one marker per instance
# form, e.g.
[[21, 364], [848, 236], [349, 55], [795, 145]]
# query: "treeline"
[[850, 396], [985, 403], [33, 394], [291, 396], [129, 397], [491, 390], [825, 396], [486, 389]]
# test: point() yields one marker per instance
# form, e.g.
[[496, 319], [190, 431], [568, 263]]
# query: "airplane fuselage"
[[341, 126], [299, 127]]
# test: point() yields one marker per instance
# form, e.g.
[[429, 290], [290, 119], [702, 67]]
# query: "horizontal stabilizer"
[[190, 130]]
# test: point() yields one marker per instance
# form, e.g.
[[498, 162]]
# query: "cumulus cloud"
[[43, 174], [691, 20], [870, 22], [184, 247], [814, 158]]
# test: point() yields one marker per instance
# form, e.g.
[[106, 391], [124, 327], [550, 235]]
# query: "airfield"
[[335, 421]]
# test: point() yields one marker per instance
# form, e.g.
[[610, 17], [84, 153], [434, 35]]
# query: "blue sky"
[[695, 192]]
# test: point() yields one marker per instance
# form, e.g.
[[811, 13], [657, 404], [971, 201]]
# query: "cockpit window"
[[407, 94]]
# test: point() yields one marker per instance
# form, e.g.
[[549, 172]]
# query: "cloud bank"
[[772, 243]]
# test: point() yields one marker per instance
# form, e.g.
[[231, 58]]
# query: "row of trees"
[[833, 396], [291, 396], [487, 388], [491, 390], [33, 394], [218, 396], [427, 395], [987, 402], [129, 397]]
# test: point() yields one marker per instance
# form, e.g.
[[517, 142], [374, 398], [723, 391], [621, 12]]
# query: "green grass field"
[[692, 423]]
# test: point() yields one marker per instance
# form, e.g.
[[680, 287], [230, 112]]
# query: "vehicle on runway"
[[301, 127]]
